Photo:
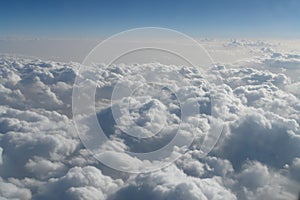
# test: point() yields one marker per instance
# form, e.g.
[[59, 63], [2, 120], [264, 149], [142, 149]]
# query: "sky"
[[203, 18]]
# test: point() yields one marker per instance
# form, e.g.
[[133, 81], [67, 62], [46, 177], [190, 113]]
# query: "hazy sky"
[[206, 18]]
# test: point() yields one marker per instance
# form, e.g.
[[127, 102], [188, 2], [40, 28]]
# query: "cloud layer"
[[42, 157]]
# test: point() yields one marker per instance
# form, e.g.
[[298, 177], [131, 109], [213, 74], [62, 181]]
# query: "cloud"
[[295, 169], [28, 84], [42, 157], [44, 168], [260, 182], [283, 60], [79, 183], [247, 43], [11, 191], [171, 183], [33, 138]]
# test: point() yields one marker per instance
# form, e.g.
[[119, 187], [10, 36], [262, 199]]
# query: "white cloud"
[[171, 183], [257, 156], [257, 181], [11, 191], [295, 169], [281, 60], [79, 183]]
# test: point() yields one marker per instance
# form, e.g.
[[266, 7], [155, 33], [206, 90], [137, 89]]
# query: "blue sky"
[[204, 18]]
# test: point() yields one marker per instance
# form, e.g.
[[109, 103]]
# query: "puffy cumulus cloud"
[[152, 108], [266, 127], [247, 43], [294, 88], [172, 183], [235, 77], [254, 175], [282, 60], [30, 137], [259, 89], [27, 84], [268, 138], [11, 191], [44, 168], [190, 166], [218, 167], [257, 181], [193, 165], [41, 156], [79, 183], [295, 169], [1, 161]]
